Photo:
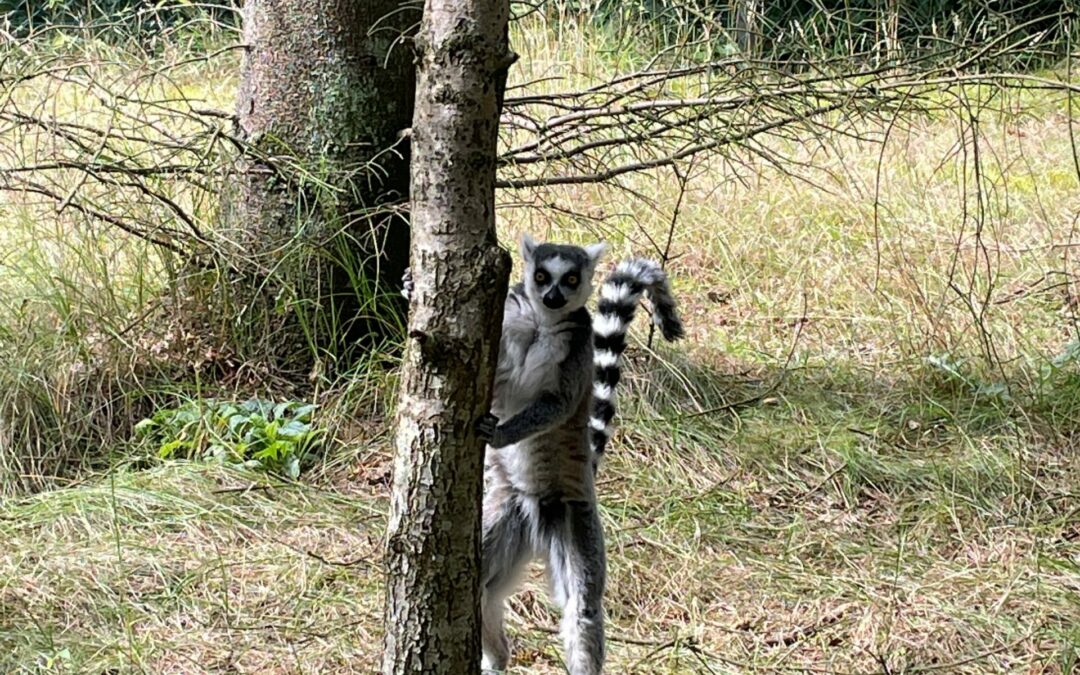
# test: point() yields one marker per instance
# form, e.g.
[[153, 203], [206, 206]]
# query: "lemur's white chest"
[[529, 358]]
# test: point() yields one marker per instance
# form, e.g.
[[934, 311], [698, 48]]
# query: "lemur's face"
[[558, 278]]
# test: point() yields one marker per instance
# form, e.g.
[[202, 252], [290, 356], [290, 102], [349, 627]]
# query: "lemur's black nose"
[[554, 299]]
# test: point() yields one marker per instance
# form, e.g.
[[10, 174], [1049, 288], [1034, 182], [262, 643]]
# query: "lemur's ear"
[[596, 251], [528, 246]]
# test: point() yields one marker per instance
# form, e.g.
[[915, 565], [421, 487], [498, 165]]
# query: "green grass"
[[187, 568], [777, 537], [853, 464]]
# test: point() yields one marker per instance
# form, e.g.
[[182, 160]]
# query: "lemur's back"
[[536, 357]]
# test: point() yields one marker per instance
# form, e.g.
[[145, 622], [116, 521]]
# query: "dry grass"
[[188, 569], [798, 487]]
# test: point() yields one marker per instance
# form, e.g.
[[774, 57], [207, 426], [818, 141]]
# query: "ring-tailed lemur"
[[539, 494]]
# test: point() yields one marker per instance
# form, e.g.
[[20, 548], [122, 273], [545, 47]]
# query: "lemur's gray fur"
[[539, 494]]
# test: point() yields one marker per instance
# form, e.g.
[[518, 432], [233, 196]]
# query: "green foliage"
[[113, 16], [805, 30], [256, 434]]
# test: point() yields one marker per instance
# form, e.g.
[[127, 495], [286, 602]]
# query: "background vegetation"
[[863, 459]]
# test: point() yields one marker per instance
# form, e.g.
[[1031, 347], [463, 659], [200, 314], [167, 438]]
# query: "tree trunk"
[[460, 276], [326, 91]]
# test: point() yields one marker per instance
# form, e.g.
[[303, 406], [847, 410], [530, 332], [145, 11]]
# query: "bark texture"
[[327, 88], [460, 280]]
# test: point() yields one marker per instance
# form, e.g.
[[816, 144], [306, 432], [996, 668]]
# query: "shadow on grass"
[[919, 433]]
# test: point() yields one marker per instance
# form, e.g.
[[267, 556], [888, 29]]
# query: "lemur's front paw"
[[486, 427], [407, 283]]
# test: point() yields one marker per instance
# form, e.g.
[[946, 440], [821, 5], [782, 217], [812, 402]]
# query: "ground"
[[862, 459]]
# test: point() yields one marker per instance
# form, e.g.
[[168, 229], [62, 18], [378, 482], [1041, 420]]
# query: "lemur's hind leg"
[[506, 549], [577, 567]]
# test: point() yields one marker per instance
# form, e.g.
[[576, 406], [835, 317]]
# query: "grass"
[[186, 568], [810, 534], [862, 459]]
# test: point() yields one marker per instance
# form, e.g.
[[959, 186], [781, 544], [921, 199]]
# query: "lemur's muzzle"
[[553, 299]]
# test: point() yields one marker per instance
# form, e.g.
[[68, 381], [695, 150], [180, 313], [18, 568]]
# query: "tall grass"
[[101, 324]]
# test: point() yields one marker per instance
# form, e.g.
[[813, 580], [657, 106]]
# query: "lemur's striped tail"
[[619, 297]]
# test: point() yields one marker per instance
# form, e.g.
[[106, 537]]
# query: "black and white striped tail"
[[619, 297]]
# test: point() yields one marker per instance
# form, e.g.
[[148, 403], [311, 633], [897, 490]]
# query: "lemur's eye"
[[541, 277], [571, 280]]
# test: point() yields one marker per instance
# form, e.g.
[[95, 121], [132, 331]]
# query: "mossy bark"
[[460, 278], [326, 92]]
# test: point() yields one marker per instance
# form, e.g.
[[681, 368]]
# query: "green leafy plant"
[[260, 434]]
